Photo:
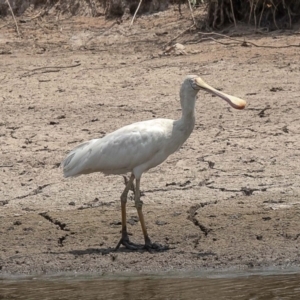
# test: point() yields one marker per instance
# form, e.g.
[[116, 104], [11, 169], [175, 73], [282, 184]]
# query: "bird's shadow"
[[105, 251], [102, 251]]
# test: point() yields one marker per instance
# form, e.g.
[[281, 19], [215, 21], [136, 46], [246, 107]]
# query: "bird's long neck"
[[187, 120]]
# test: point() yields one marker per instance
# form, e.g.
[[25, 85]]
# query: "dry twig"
[[232, 10], [261, 14], [47, 70], [191, 9], [254, 15], [137, 9], [237, 41], [13, 15], [36, 16], [180, 34], [215, 16], [56, 67], [251, 9]]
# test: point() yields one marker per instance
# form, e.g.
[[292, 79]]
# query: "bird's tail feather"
[[74, 163]]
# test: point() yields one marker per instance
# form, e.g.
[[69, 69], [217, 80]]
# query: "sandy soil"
[[228, 198]]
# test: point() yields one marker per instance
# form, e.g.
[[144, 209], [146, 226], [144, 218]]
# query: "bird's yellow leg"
[[125, 239], [138, 205]]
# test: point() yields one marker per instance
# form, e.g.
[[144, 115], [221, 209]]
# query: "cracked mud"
[[228, 198]]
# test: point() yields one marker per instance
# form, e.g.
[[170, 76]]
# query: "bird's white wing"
[[123, 150]]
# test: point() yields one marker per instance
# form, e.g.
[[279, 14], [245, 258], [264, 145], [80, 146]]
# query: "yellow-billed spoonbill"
[[139, 147]]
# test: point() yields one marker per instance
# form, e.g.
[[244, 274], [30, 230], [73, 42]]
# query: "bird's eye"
[[192, 83]]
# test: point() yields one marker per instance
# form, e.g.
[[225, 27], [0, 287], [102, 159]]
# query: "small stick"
[[274, 13], [192, 12], [137, 9], [47, 70], [251, 8], [36, 16], [261, 14], [55, 67], [180, 34], [222, 13], [254, 15], [233, 13], [215, 15], [7, 1]]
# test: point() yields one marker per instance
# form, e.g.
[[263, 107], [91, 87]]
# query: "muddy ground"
[[228, 198]]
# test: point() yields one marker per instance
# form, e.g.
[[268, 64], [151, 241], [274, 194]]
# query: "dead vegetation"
[[272, 14], [94, 8]]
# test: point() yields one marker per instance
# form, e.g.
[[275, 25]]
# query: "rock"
[[176, 49], [160, 223]]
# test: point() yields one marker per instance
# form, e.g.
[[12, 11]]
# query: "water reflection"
[[254, 287]]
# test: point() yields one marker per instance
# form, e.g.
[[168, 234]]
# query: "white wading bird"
[[139, 147]]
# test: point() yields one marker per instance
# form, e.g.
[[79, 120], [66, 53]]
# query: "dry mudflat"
[[228, 198]]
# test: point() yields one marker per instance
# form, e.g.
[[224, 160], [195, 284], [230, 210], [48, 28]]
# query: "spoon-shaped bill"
[[235, 102]]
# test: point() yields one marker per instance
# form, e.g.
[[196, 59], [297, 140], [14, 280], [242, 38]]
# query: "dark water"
[[190, 286]]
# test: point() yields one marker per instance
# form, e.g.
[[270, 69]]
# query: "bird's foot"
[[151, 247], [156, 247], [128, 244]]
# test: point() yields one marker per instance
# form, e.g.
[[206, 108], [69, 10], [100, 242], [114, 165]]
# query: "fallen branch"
[[48, 70], [237, 41], [13, 15], [42, 72], [137, 9], [55, 67]]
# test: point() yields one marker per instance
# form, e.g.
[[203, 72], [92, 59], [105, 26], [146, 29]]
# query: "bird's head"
[[193, 83]]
